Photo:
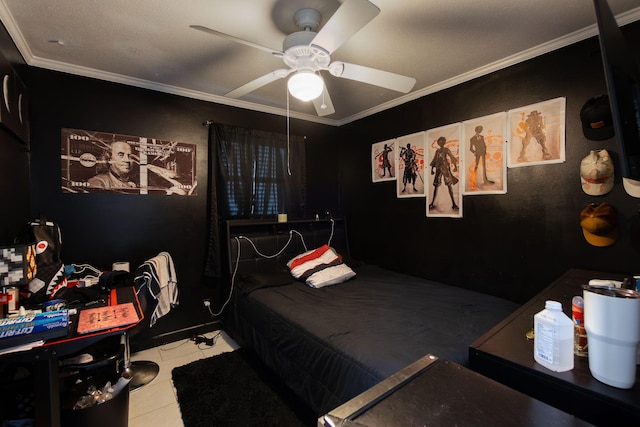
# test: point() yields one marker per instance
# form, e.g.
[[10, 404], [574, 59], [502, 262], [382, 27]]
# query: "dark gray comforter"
[[331, 344]]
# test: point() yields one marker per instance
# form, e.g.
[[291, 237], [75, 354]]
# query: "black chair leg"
[[142, 371]]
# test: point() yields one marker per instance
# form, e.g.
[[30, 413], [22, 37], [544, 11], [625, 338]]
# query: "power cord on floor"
[[200, 339]]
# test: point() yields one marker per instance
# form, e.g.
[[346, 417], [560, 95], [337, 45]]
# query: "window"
[[263, 189], [262, 173]]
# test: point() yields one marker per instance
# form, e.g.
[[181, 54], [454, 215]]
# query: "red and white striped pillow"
[[320, 267]]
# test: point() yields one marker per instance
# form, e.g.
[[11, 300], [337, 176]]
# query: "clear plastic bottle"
[[553, 338]]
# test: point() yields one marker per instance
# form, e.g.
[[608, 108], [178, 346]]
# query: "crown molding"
[[32, 60]]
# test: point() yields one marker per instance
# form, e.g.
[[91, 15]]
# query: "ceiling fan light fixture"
[[305, 85]]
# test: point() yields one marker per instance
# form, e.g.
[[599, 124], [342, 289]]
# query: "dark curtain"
[[239, 161], [212, 267]]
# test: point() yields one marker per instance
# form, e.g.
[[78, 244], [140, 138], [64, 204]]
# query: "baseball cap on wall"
[[631, 186], [596, 173], [597, 122], [599, 222]]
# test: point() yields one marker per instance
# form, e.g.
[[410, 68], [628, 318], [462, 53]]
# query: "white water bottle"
[[553, 338]]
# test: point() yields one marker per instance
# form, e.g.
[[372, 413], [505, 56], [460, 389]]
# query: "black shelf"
[[504, 354]]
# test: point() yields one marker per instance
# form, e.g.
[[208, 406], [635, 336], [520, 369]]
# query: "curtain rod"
[[210, 122]]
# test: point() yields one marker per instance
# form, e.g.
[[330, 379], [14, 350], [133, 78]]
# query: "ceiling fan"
[[306, 53]]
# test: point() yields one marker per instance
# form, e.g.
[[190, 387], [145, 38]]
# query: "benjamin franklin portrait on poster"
[[95, 162]]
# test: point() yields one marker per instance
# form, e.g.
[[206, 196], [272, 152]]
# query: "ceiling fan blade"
[[344, 23], [323, 103], [258, 83], [372, 76], [236, 39]]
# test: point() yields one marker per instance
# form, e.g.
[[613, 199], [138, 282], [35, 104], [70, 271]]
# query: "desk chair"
[[156, 285], [142, 371]]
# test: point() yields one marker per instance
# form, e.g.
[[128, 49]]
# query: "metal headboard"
[[279, 242]]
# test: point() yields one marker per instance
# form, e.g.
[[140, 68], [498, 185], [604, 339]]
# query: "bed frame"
[[271, 237], [333, 343]]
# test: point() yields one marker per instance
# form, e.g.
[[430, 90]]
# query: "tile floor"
[[155, 404]]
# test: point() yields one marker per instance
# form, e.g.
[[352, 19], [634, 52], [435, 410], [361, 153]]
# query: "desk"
[[45, 359], [438, 392], [504, 354]]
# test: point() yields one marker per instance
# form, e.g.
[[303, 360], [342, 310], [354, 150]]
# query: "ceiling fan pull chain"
[[288, 133]]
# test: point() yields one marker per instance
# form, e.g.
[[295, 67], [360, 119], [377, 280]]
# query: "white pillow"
[[320, 267]]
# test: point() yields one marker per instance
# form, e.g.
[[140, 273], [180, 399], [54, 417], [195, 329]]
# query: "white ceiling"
[[149, 44]]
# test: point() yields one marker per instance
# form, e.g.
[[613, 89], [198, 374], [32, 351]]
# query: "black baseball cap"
[[597, 122]]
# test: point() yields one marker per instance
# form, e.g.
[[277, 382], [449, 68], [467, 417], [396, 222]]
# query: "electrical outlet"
[[206, 302]]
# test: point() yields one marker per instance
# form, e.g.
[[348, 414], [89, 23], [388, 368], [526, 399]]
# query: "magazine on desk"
[[106, 317]]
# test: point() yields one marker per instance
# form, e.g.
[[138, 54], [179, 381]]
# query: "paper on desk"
[[22, 347]]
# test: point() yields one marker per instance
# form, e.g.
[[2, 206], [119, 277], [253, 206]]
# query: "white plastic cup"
[[612, 320]]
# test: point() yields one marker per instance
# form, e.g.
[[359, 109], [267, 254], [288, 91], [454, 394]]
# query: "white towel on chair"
[[159, 275]]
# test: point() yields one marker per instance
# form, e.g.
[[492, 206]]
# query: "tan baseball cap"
[[599, 222], [596, 173]]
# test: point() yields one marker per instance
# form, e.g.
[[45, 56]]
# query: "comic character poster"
[[383, 161], [485, 155], [446, 171], [410, 157], [105, 162], [537, 133]]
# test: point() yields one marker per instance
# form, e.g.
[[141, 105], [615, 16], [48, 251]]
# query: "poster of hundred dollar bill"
[[99, 162]]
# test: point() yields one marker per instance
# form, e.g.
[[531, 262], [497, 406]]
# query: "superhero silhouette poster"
[[383, 161], [537, 133], [410, 161], [485, 155], [445, 171]]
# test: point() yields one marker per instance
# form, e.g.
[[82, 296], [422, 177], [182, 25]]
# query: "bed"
[[331, 343]]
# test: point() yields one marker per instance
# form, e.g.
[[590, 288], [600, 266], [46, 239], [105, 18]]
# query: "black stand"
[[142, 371]]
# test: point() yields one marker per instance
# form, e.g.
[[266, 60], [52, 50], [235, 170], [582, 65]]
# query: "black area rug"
[[236, 389]]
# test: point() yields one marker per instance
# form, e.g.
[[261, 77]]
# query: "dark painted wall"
[[102, 228], [510, 245]]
